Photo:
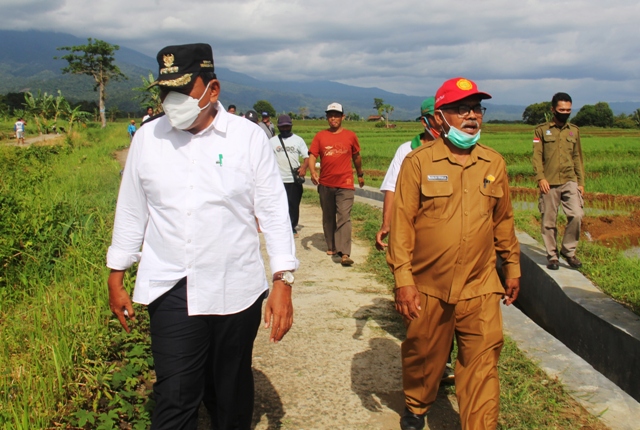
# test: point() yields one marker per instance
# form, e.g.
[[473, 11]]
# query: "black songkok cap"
[[180, 64]]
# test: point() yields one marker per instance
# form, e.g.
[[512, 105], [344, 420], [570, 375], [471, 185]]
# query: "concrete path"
[[339, 367]]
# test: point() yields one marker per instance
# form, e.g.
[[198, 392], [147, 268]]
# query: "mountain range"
[[27, 64]]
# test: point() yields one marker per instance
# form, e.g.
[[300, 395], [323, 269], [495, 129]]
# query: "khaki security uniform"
[[448, 223], [557, 157]]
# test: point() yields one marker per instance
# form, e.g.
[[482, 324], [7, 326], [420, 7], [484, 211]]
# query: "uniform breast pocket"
[[435, 199], [489, 198]]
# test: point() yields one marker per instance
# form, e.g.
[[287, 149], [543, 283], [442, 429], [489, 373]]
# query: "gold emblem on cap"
[[178, 82], [168, 59], [464, 84]]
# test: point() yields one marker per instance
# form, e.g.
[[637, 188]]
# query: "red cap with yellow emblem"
[[457, 89]]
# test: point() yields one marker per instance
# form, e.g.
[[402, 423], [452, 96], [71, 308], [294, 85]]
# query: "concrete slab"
[[590, 388]]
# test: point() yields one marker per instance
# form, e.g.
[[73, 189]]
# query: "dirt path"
[[339, 366], [49, 138]]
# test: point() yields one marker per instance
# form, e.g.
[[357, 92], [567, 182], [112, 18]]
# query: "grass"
[[60, 350]]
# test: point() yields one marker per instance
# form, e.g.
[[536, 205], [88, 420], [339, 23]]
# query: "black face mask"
[[561, 117], [286, 134]]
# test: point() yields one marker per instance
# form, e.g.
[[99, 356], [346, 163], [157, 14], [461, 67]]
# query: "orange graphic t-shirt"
[[335, 152]]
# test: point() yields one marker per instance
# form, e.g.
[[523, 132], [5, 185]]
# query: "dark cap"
[[265, 114], [180, 64], [251, 115], [284, 120], [457, 89]]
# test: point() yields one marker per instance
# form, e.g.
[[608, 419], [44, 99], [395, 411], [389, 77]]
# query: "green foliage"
[[61, 350], [149, 95], [378, 104], [624, 121], [264, 106], [95, 59], [598, 115], [537, 113], [352, 116]]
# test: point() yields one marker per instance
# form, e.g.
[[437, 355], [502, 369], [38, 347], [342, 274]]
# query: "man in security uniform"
[[452, 214], [559, 169]]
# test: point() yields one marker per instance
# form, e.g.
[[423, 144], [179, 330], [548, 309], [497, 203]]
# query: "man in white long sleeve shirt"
[[194, 183]]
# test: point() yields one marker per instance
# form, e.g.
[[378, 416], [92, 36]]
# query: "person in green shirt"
[[559, 169]]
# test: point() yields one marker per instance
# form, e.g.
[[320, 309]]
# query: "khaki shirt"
[[557, 154], [449, 221]]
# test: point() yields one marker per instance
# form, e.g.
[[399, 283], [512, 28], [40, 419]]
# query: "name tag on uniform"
[[438, 178], [548, 133]]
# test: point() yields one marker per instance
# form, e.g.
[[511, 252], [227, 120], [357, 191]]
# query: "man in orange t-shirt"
[[337, 148]]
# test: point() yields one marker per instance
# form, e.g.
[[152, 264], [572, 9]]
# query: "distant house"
[[373, 118]]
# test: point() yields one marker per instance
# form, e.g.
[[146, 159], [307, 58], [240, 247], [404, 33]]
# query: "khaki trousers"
[[477, 324], [569, 196], [336, 206]]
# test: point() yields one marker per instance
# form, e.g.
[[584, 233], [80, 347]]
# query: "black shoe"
[[573, 261], [411, 421], [553, 264]]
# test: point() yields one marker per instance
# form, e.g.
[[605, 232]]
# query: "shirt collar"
[[441, 152]]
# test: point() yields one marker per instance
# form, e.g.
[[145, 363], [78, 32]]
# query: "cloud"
[[516, 48]]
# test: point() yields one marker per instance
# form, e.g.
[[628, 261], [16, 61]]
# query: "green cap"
[[427, 106]]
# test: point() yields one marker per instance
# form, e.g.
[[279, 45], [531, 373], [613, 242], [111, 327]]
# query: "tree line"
[[598, 115]]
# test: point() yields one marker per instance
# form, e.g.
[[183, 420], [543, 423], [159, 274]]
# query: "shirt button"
[[189, 241], [459, 262], [193, 161], [466, 213], [191, 187], [466, 191], [189, 266], [188, 213]]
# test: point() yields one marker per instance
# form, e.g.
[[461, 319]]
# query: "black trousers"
[[202, 357], [294, 197]]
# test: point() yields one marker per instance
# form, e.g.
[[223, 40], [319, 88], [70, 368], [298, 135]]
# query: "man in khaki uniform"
[[559, 169], [452, 213]]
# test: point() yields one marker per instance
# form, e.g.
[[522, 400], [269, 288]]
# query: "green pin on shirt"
[[220, 158]]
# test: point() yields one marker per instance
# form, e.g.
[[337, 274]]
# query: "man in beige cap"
[[336, 147]]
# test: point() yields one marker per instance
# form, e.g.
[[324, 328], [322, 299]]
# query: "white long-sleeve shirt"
[[193, 200]]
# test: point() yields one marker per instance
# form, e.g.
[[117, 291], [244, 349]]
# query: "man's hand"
[[119, 300], [302, 171], [279, 311], [581, 189], [543, 184], [315, 178], [512, 288], [361, 181], [380, 236], [408, 302]]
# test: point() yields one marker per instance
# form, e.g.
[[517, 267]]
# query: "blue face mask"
[[459, 138]]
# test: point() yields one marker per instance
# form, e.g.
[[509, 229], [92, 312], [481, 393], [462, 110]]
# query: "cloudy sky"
[[520, 51]]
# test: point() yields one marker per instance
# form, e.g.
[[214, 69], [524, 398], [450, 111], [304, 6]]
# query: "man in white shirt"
[[289, 148], [194, 181]]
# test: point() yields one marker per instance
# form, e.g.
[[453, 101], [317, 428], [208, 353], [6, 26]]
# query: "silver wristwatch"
[[286, 277]]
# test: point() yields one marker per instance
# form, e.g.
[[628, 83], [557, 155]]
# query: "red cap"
[[457, 89]]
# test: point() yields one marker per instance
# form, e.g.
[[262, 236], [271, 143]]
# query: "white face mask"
[[181, 109]]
